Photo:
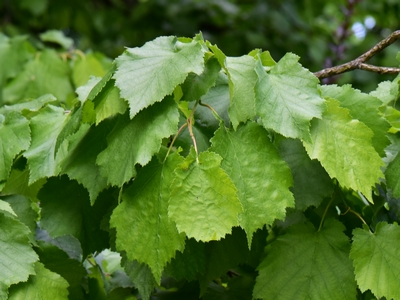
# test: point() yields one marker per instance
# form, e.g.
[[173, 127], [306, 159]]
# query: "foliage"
[[179, 172]]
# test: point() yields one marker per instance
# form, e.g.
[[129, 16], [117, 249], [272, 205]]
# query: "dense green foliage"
[[176, 171]]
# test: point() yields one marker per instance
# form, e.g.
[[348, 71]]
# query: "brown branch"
[[359, 62]]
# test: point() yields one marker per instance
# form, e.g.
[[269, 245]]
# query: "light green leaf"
[[83, 91], [135, 141], [311, 182], [143, 215], [44, 285], [32, 105], [146, 75], [14, 138], [364, 108], [17, 257], [65, 209], [23, 209], [86, 66], [242, 80], [375, 259], [57, 37], [196, 86], [387, 91], [47, 74], [392, 175], [5, 206], [45, 127], [203, 200], [343, 146], [308, 264], [261, 177], [287, 97]]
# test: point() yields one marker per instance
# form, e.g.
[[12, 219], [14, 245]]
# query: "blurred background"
[[322, 32]]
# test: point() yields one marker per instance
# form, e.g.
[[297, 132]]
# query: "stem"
[[214, 112], [190, 127], [174, 139], [359, 62], [358, 215], [326, 210]]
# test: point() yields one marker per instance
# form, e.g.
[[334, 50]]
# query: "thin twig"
[[359, 62]]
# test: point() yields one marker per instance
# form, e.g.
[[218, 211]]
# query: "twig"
[[359, 62]]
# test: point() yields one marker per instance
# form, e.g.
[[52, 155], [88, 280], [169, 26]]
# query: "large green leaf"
[[17, 257], [343, 146], [65, 209], [375, 258], [143, 216], [261, 177], [308, 264], [363, 107], [43, 285], [147, 74], [203, 200], [47, 74], [14, 137], [135, 141], [242, 80], [41, 154], [311, 182], [287, 97]]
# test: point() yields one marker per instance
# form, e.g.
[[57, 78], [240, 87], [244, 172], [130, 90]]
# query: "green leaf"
[[375, 259], [392, 175], [80, 163], [84, 91], [14, 138], [308, 264], [242, 80], [343, 146], [56, 260], [44, 285], [47, 74], [146, 75], [26, 107], [143, 215], [261, 177], [141, 276], [196, 86], [287, 97], [135, 141], [363, 107], [41, 154], [203, 200], [57, 37], [17, 257], [311, 182], [85, 66], [65, 209]]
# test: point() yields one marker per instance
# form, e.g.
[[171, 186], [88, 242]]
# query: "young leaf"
[[143, 216], [364, 108], [311, 182], [287, 97], [375, 259], [242, 79], [261, 177], [43, 285], [135, 141], [45, 127], [308, 264], [17, 257], [343, 146], [14, 137], [146, 75], [203, 200]]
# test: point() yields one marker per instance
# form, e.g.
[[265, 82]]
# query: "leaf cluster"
[[182, 172]]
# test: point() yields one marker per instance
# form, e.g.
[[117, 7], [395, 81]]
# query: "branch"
[[359, 62]]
